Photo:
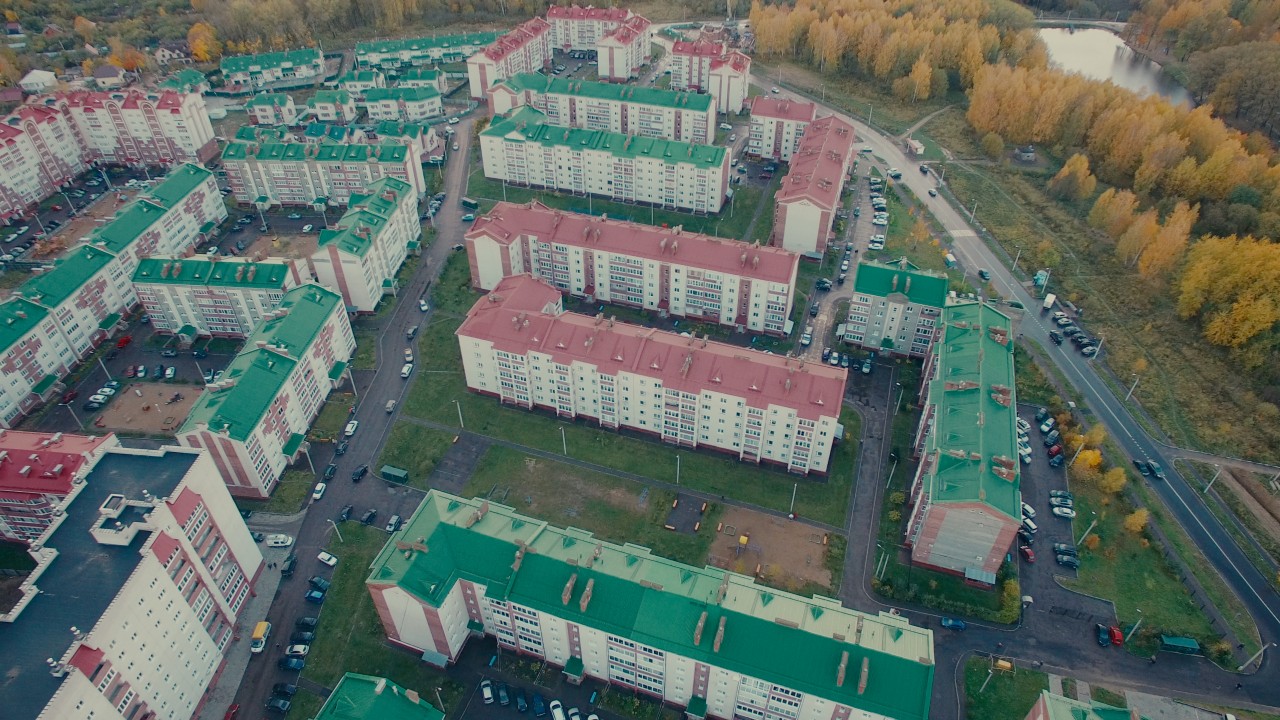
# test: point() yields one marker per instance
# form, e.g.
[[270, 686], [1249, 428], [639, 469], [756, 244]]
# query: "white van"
[[726, 126], [1048, 425], [261, 632], [1030, 525], [557, 710], [407, 370]]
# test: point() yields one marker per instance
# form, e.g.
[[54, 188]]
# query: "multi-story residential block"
[[86, 293], [291, 173], [810, 193], [266, 68], [665, 270], [37, 472], [525, 49], [522, 148], [709, 640], [422, 77], [186, 80], [146, 571], [643, 111], [896, 308], [34, 357], [622, 53], [520, 347], [359, 82], [253, 420], [410, 104], [1057, 707], [360, 257], [366, 697], [707, 67], [211, 296], [333, 106], [272, 109], [395, 55], [422, 140], [777, 126], [580, 28], [965, 501], [40, 151]]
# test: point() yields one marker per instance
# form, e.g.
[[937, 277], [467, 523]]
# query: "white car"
[[1028, 511], [103, 399], [22, 230], [297, 650], [880, 222], [279, 540], [351, 428], [308, 228], [408, 355], [1066, 513], [453, 121], [106, 391], [806, 339], [407, 370], [319, 491], [327, 559], [170, 372], [423, 306]]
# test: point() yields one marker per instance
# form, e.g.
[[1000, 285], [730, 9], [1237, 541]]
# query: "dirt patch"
[[70, 234], [782, 553], [148, 408], [1261, 504], [294, 247]]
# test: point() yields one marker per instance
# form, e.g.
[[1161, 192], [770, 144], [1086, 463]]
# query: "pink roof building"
[[777, 126], [525, 49], [666, 270], [518, 346], [621, 53], [37, 471], [580, 28], [810, 192], [707, 67]]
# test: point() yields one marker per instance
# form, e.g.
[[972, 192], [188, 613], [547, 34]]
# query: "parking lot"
[[66, 216]]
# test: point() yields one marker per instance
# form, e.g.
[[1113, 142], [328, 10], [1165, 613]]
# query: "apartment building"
[[896, 308], [523, 148], [665, 270], [272, 109], [333, 106], [407, 104], [777, 126], [708, 640], [213, 296], [810, 193], [293, 173], [47, 143], [253, 420], [965, 501], [580, 28], [35, 356], [708, 67], [644, 111], [361, 256], [518, 346], [144, 572], [1057, 707], [266, 68], [396, 55], [86, 293], [359, 82], [621, 54], [368, 697], [37, 472], [422, 77], [525, 49]]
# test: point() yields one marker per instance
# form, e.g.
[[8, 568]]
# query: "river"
[[1102, 55]]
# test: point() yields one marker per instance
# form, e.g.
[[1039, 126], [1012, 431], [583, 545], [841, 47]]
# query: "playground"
[[150, 408], [781, 552]]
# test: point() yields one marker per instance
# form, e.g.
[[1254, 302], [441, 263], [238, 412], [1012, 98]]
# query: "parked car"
[[318, 492], [1060, 494], [953, 623], [297, 650], [351, 428], [279, 704], [393, 524], [284, 689], [287, 567], [1056, 337], [1027, 553], [1025, 537], [1117, 637], [358, 474], [291, 663], [1056, 462], [368, 516], [319, 583], [345, 514], [504, 694], [314, 596], [539, 705], [168, 352], [279, 540], [306, 623], [486, 691], [1065, 513], [341, 449], [304, 637], [866, 365], [1065, 549], [1103, 634], [330, 470], [1028, 511], [1069, 561], [1061, 502]]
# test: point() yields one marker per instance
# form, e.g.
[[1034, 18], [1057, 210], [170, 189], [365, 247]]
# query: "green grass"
[[452, 294], [416, 449], [1032, 384], [350, 637], [289, 495], [1008, 696], [1198, 475], [613, 509], [1241, 714], [14, 556], [1108, 697], [11, 279], [332, 418]]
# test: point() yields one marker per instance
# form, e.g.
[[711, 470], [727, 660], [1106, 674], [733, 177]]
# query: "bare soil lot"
[[780, 552], [148, 408]]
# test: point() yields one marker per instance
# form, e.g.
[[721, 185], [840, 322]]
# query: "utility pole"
[[677, 471], [1078, 451], [1088, 529], [792, 511], [1131, 387], [464, 425], [1214, 480], [974, 211], [564, 444], [1256, 655], [1017, 257], [901, 392], [1134, 629], [990, 674], [337, 531]]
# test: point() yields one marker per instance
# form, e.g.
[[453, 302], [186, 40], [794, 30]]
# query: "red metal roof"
[[41, 454], [575, 12], [700, 48], [762, 106], [734, 59], [687, 364], [508, 222], [517, 38], [819, 163], [629, 31]]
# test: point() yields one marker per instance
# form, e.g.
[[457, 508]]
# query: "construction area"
[[780, 552], [150, 408]]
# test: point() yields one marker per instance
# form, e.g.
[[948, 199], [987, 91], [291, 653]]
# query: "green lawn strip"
[[1240, 714], [289, 495], [1007, 696], [350, 637], [608, 507], [1108, 697], [1033, 384], [14, 556], [416, 449], [11, 279], [1204, 472], [634, 705], [1069, 688], [332, 418], [452, 292]]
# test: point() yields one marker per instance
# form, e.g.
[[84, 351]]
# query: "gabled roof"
[[263, 61], [554, 85], [80, 265], [17, 318], [425, 44], [208, 271], [920, 287], [269, 100], [367, 216], [401, 94], [138, 216], [526, 124], [771, 107], [360, 76], [185, 80], [336, 97], [706, 614], [366, 697], [819, 164]]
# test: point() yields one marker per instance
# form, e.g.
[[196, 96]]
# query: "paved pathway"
[[922, 121], [1082, 690], [1155, 707], [1055, 684], [1211, 459]]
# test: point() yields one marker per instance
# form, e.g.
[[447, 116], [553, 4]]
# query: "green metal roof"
[[337, 370], [555, 85], [884, 279], [405, 94], [425, 44], [45, 383], [529, 125], [360, 76], [295, 442], [263, 61], [178, 184], [269, 100], [109, 321], [17, 318], [185, 80], [338, 97], [367, 215], [420, 73], [197, 270], [64, 280], [365, 697], [767, 634], [973, 433], [255, 377], [1058, 707]]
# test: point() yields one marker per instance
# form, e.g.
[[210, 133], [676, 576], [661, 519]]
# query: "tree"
[[1169, 244], [1073, 182], [203, 41], [1141, 233], [919, 231], [1113, 481], [1230, 283], [1095, 436], [921, 78], [1091, 459], [84, 28], [1113, 212], [993, 145], [1136, 521], [1141, 365]]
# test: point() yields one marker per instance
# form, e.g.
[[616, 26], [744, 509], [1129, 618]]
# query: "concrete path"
[[1055, 684], [1083, 692], [1155, 707]]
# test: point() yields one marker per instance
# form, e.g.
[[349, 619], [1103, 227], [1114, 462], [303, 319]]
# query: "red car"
[[1055, 450], [57, 207], [1117, 637], [129, 372], [68, 396], [124, 340], [1027, 553]]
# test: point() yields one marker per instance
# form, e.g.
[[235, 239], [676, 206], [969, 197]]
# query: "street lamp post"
[[336, 531], [1134, 629], [1214, 480], [901, 392], [1088, 529], [1017, 257], [439, 701], [564, 444], [74, 416], [677, 471], [1256, 655], [1131, 387], [464, 425], [71, 206]]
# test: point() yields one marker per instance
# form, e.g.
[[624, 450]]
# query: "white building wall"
[[803, 225], [489, 261], [409, 616]]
